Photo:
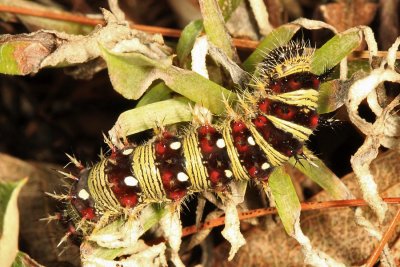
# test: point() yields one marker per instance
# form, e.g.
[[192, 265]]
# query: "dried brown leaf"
[[347, 14], [389, 22], [39, 238], [333, 231]]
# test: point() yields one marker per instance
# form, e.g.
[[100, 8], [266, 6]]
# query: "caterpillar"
[[274, 118]]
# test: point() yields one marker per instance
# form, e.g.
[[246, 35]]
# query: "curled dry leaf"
[[28, 53], [333, 231], [384, 131], [120, 238], [171, 225], [231, 230], [23, 54]]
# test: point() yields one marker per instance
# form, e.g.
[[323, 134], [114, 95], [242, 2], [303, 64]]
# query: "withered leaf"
[[346, 14]]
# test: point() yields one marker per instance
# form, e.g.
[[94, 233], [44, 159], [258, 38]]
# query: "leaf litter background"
[[45, 115]]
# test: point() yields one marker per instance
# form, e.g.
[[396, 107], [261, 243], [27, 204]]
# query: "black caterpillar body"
[[276, 116]]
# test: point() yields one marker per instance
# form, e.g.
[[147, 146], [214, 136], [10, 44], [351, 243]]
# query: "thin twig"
[[388, 234], [243, 44], [305, 206], [69, 17]]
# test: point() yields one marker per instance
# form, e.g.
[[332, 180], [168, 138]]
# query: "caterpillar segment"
[[210, 156]]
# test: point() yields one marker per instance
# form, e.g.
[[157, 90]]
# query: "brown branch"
[[388, 234], [56, 15], [267, 211], [243, 44]]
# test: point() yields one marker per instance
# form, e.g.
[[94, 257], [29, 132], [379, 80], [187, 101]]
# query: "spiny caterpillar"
[[275, 116]]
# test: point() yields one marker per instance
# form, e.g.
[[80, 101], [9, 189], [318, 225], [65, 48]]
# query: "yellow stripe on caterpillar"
[[301, 133], [303, 97]]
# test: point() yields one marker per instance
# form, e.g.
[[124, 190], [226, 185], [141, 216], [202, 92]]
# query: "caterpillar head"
[[82, 202], [287, 69], [286, 60]]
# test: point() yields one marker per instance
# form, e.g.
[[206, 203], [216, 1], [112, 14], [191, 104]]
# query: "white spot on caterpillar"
[[228, 173], [127, 152], [130, 181], [182, 177], [175, 145], [83, 194], [251, 141], [265, 166], [220, 143]]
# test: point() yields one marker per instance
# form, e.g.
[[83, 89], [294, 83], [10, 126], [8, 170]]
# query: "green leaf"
[[109, 253], [329, 98], [276, 38], [23, 260], [187, 40], [9, 221], [285, 197], [317, 171], [199, 89], [9, 64], [194, 29], [153, 215], [228, 7], [333, 51], [145, 117], [132, 73], [215, 28], [158, 92]]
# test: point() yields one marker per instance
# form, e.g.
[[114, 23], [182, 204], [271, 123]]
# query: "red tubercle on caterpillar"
[[260, 121], [285, 112], [315, 82], [238, 127], [206, 146], [264, 105], [84, 208], [167, 134], [88, 213], [207, 135], [160, 147], [314, 119], [239, 133], [241, 144], [276, 86], [205, 130], [129, 201], [177, 194], [215, 176], [253, 171], [71, 230], [294, 83], [166, 177]]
